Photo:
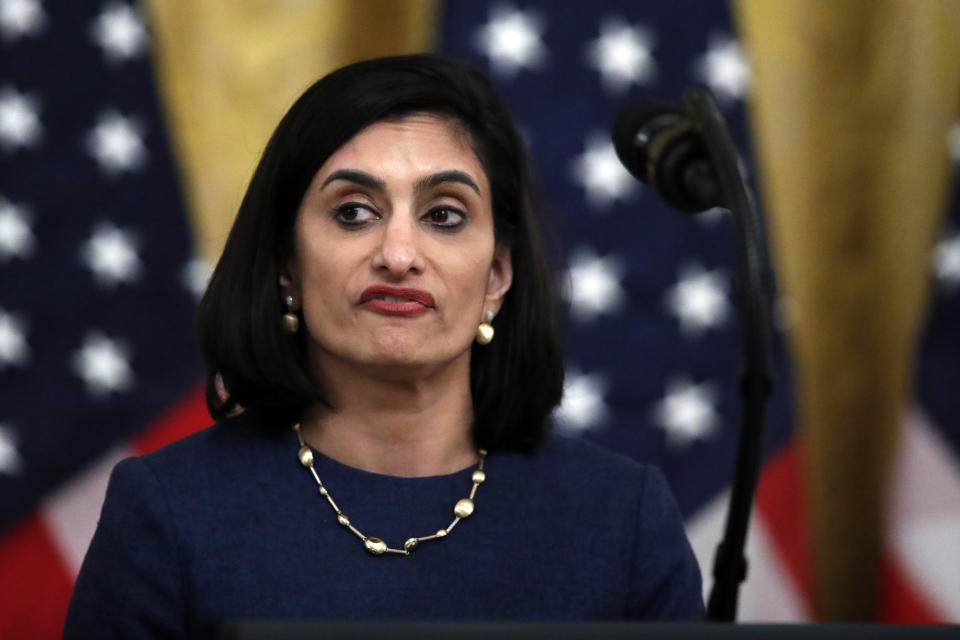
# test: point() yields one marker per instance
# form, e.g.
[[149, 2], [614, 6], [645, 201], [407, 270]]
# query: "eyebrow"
[[360, 177], [427, 182], [451, 175]]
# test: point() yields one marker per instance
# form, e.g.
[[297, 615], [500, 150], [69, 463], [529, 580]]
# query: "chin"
[[397, 347], [409, 359], [398, 353], [396, 359]]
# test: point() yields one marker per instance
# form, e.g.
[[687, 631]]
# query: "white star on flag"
[[10, 460], [20, 18], [103, 364], [583, 405], [622, 54], [598, 170], [13, 345], [699, 299], [592, 285], [687, 411], [116, 143], [16, 238], [19, 123], [511, 40], [119, 30], [946, 262], [953, 142], [725, 69], [112, 256], [196, 276]]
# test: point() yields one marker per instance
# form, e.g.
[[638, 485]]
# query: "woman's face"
[[394, 259]]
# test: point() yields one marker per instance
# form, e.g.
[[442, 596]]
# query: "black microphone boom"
[[658, 144], [689, 158]]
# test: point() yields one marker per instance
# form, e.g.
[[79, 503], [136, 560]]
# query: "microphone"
[[660, 146], [689, 158]]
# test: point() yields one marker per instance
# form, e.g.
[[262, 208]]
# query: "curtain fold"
[[851, 110], [229, 70]]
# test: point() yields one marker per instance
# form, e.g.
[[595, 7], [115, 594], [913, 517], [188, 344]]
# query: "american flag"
[[99, 278], [97, 288]]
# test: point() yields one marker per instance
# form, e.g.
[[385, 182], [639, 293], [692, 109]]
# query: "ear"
[[500, 279], [290, 278]]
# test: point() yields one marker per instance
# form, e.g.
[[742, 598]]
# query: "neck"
[[409, 426]]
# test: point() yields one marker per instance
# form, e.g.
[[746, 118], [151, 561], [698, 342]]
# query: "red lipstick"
[[396, 301]]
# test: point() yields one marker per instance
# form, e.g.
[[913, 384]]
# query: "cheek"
[[322, 270], [470, 287]]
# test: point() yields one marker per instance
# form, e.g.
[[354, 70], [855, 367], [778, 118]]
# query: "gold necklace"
[[376, 546]]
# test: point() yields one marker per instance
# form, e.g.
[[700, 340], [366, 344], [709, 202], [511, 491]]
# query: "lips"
[[396, 301]]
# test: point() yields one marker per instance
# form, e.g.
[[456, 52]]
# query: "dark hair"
[[515, 381]]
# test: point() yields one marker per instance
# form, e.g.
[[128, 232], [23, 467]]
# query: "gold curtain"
[[851, 107], [229, 70]]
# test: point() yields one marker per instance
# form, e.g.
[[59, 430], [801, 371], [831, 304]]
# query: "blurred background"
[[128, 133]]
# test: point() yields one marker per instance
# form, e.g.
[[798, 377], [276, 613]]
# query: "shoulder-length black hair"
[[515, 381]]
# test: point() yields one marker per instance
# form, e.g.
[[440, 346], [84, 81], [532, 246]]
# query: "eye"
[[354, 214], [446, 218]]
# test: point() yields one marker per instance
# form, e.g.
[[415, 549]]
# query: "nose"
[[399, 253]]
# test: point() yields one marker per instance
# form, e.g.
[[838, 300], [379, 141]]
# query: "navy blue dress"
[[227, 524]]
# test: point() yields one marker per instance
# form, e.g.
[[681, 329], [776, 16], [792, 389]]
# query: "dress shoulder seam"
[[635, 540], [178, 554]]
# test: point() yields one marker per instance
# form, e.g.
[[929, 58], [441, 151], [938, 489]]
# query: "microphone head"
[[657, 143], [632, 135]]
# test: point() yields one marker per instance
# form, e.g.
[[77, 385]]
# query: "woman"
[[383, 363]]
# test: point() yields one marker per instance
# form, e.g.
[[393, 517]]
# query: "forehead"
[[412, 146]]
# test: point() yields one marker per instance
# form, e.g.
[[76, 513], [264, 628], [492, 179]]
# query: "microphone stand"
[[756, 382]]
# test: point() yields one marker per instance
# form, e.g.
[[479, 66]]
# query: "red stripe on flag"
[[780, 500], [901, 601], [188, 415], [35, 585]]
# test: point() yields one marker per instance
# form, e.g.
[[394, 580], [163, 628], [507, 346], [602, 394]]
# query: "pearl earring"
[[485, 330], [291, 323]]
